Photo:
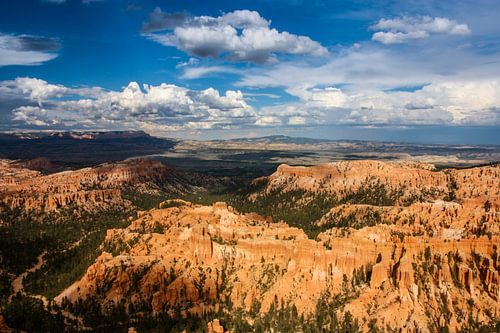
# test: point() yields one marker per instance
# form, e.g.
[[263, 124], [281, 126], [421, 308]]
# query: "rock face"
[[91, 188], [344, 178], [193, 257], [446, 220], [448, 204], [402, 180], [215, 327], [11, 174], [41, 164], [403, 244]]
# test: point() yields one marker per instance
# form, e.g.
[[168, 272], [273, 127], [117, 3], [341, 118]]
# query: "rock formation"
[[447, 204], [91, 188], [401, 180], [402, 245], [193, 257]]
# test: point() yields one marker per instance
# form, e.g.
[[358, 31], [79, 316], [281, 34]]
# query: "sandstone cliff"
[[404, 245], [91, 188], [448, 203], [194, 257], [401, 180]]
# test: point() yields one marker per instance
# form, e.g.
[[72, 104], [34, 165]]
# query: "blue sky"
[[399, 70]]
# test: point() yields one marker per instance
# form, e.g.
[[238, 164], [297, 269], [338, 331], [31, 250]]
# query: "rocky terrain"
[[415, 196], [345, 246], [401, 180], [197, 258], [421, 256], [93, 188]]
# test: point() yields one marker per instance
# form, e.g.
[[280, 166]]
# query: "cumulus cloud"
[[162, 107], [36, 103], [291, 114], [26, 50], [268, 121], [158, 21], [242, 35], [36, 89], [373, 85], [40, 91], [447, 103], [34, 115], [405, 29], [312, 108]]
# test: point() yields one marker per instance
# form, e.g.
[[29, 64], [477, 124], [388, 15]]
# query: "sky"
[[416, 71]]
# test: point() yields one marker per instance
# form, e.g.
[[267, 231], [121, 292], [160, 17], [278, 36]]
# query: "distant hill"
[[285, 139], [76, 149], [281, 139]]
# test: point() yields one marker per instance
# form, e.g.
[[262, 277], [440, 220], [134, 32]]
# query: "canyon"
[[343, 246], [93, 188], [194, 257]]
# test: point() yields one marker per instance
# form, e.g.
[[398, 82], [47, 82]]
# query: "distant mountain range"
[[75, 149], [284, 139], [280, 139]]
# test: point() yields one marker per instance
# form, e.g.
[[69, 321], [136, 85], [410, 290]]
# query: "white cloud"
[[404, 29], [327, 98], [447, 103], [243, 19], [268, 95], [268, 121], [367, 67], [34, 115], [203, 71], [372, 85], [37, 89], [165, 106], [26, 50], [168, 107], [242, 35], [190, 62], [292, 114], [296, 121]]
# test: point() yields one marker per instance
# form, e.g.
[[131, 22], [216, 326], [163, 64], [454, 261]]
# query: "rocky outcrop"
[[196, 256], [347, 177], [41, 164], [445, 220], [402, 238], [450, 204], [403, 181], [215, 327], [88, 200], [92, 188], [11, 174]]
